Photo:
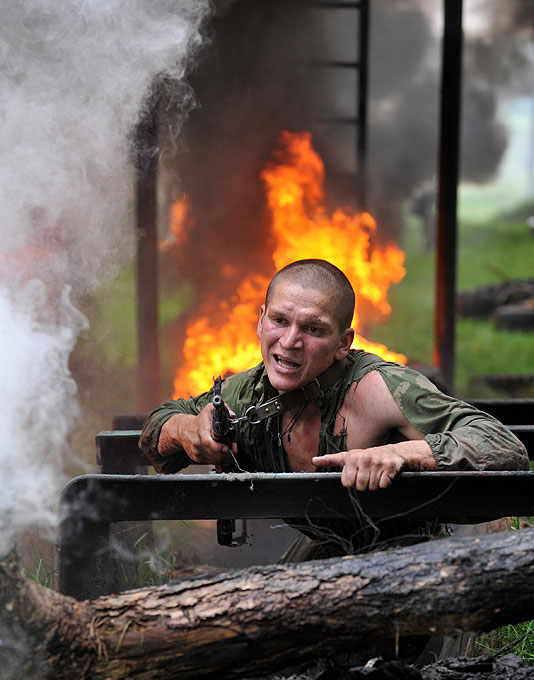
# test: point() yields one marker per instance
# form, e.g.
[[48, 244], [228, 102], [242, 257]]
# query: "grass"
[[104, 362], [512, 639], [112, 316], [482, 349], [495, 250], [150, 567], [38, 560], [489, 252], [151, 554]]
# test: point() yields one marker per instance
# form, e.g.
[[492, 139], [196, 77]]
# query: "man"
[[366, 416]]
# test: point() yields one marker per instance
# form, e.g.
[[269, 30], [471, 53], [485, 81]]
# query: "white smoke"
[[73, 79]]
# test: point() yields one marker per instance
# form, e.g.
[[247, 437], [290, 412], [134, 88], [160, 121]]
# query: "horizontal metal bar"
[[458, 496], [524, 433], [90, 503], [335, 64], [335, 5], [513, 411]]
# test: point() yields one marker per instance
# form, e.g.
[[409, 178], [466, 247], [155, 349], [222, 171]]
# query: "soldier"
[[367, 404], [314, 403], [321, 405]]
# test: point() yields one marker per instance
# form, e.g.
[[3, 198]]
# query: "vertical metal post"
[[449, 151], [361, 104], [147, 261]]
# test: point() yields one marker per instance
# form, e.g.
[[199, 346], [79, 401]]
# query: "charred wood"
[[256, 620]]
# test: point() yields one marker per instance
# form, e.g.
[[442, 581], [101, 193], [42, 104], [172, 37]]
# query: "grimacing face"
[[299, 335]]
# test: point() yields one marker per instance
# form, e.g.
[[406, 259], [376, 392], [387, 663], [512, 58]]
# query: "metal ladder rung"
[[336, 64]]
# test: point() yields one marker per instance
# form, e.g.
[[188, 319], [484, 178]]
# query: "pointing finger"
[[330, 460]]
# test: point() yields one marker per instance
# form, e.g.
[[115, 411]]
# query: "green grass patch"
[[496, 250], [512, 639], [173, 304], [489, 251], [111, 312], [38, 560], [151, 567], [482, 349]]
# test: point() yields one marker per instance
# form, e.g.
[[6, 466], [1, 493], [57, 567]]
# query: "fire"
[[301, 228], [178, 225], [226, 349]]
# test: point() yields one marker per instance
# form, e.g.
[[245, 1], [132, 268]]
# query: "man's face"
[[299, 335]]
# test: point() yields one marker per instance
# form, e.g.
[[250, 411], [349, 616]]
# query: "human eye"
[[278, 320], [314, 330]]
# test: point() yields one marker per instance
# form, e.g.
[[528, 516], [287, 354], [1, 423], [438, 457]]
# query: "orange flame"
[[302, 229], [177, 224]]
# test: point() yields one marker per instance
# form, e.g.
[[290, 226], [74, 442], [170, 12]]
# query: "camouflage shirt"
[[460, 436]]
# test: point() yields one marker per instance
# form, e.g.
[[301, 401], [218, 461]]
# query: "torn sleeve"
[[460, 436]]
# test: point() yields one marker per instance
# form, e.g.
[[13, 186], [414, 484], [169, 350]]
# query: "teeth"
[[286, 364]]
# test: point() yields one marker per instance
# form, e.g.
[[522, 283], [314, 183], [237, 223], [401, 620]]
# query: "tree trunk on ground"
[[264, 618]]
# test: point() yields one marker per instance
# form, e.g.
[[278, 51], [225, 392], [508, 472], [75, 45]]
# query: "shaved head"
[[324, 277]]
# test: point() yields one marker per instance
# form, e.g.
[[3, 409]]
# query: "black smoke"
[[256, 80]]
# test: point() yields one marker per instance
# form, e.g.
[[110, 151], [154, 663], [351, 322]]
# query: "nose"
[[291, 338]]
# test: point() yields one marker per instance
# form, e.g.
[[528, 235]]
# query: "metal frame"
[[449, 164], [89, 504], [444, 321], [148, 368], [361, 67]]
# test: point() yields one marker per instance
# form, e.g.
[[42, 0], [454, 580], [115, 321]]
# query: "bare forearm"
[[171, 437], [417, 455]]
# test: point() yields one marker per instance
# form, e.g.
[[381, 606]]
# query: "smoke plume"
[[258, 78], [74, 78]]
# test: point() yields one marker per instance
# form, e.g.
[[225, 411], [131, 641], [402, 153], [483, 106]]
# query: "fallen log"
[[263, 618]]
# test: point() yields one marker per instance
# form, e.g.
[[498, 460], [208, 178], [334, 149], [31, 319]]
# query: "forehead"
[[292, 298]]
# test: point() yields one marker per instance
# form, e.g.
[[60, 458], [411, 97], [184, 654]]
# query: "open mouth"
[[285, 363]]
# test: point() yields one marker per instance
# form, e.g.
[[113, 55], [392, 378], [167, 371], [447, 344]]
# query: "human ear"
[[345, 342], [260, 321]]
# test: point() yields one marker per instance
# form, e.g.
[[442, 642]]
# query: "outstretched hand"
[[365, 469]]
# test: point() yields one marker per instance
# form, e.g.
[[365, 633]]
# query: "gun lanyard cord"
[[239, 468]]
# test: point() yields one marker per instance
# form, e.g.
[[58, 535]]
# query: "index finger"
[[330, 460]]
